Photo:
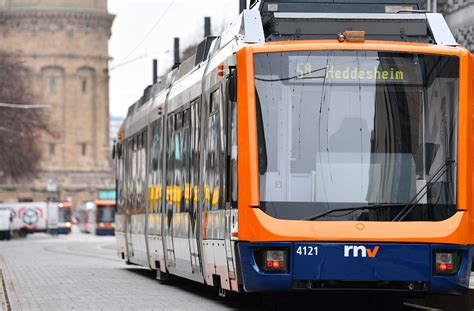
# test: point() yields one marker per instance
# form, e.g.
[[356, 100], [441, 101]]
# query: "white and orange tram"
[[298, 151]]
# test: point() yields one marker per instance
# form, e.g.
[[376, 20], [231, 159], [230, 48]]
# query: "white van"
[[33, 217], [6, 224]]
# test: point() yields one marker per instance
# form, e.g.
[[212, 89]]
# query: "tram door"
[[130, 196], [169, 193], [179, 206], [194, 182], [231, 184]]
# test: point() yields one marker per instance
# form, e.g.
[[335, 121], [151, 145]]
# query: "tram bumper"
[[393, 267], [104, 231]]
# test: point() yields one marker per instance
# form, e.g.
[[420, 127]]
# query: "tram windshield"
[[351, 129], [105, 213], [64, 214]]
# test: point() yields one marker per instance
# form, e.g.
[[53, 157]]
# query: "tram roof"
[[281, 20], [335, 6]]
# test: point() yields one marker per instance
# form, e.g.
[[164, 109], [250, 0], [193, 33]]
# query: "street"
[[82, 272]]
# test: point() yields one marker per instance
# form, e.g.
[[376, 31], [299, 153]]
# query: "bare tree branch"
[[20, 150]]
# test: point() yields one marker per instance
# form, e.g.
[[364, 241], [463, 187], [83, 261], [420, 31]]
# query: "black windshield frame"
[[105, 214], [64, 214]]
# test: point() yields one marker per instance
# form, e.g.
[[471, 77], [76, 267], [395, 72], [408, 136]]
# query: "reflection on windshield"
[[352, 128], [105, 214]]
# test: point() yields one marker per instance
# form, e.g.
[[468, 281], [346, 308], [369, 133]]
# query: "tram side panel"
[[179, 231]]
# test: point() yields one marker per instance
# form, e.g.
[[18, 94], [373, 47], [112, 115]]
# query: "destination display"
[[352, 69]]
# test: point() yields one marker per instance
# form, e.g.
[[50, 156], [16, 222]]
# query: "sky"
[[144, 30]]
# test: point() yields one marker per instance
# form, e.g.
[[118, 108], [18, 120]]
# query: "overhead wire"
[[158, 21]]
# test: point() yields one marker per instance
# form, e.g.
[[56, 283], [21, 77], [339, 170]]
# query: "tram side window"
[[178, 163], [186, 158], [195, 161], [154, 152], [155, 171], [143, 170], [170, 160], [231, 152], [119, 178], [134, 175], [128, 175], [212, 191]]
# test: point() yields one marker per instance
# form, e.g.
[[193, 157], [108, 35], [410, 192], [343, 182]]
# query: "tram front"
[[357, 154]]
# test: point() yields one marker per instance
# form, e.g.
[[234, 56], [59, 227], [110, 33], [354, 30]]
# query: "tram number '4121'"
[[307, 250]]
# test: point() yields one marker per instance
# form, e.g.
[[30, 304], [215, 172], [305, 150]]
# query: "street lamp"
[[52, 189]]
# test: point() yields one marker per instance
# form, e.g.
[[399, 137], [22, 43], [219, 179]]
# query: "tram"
[[97, 217], [318, 145], [104, 220], [64, 218]]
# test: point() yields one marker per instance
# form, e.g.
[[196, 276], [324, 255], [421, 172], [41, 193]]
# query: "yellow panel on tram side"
[[207, 193], [176, 194], [187, 192], [215, 196], [196, 194]]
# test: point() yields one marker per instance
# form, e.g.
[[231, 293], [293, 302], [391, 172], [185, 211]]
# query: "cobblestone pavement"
[[82, 272]]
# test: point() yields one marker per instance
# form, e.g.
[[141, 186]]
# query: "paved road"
[[81, 272]]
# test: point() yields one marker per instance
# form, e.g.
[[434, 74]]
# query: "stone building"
[[64, 47]]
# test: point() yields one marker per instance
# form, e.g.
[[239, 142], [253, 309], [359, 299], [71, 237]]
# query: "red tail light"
[[447, 262], [275, 260]]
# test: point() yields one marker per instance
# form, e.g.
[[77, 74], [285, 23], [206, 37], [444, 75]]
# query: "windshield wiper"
[[420, 194], [352, 209]]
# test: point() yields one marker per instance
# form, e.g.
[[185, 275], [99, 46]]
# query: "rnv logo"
[[360, 251]]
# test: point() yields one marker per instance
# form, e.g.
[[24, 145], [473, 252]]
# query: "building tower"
[[64, 47]]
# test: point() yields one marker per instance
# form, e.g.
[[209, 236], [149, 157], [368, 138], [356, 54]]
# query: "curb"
[[7, 291], [4, 301]]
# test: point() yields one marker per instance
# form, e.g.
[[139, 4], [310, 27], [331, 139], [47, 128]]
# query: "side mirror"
[[232, 84], [113, 151]]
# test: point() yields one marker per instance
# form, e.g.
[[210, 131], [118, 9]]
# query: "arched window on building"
[[53, 75], [84, 86], [86, 80], [83, 149], [52, 85]]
